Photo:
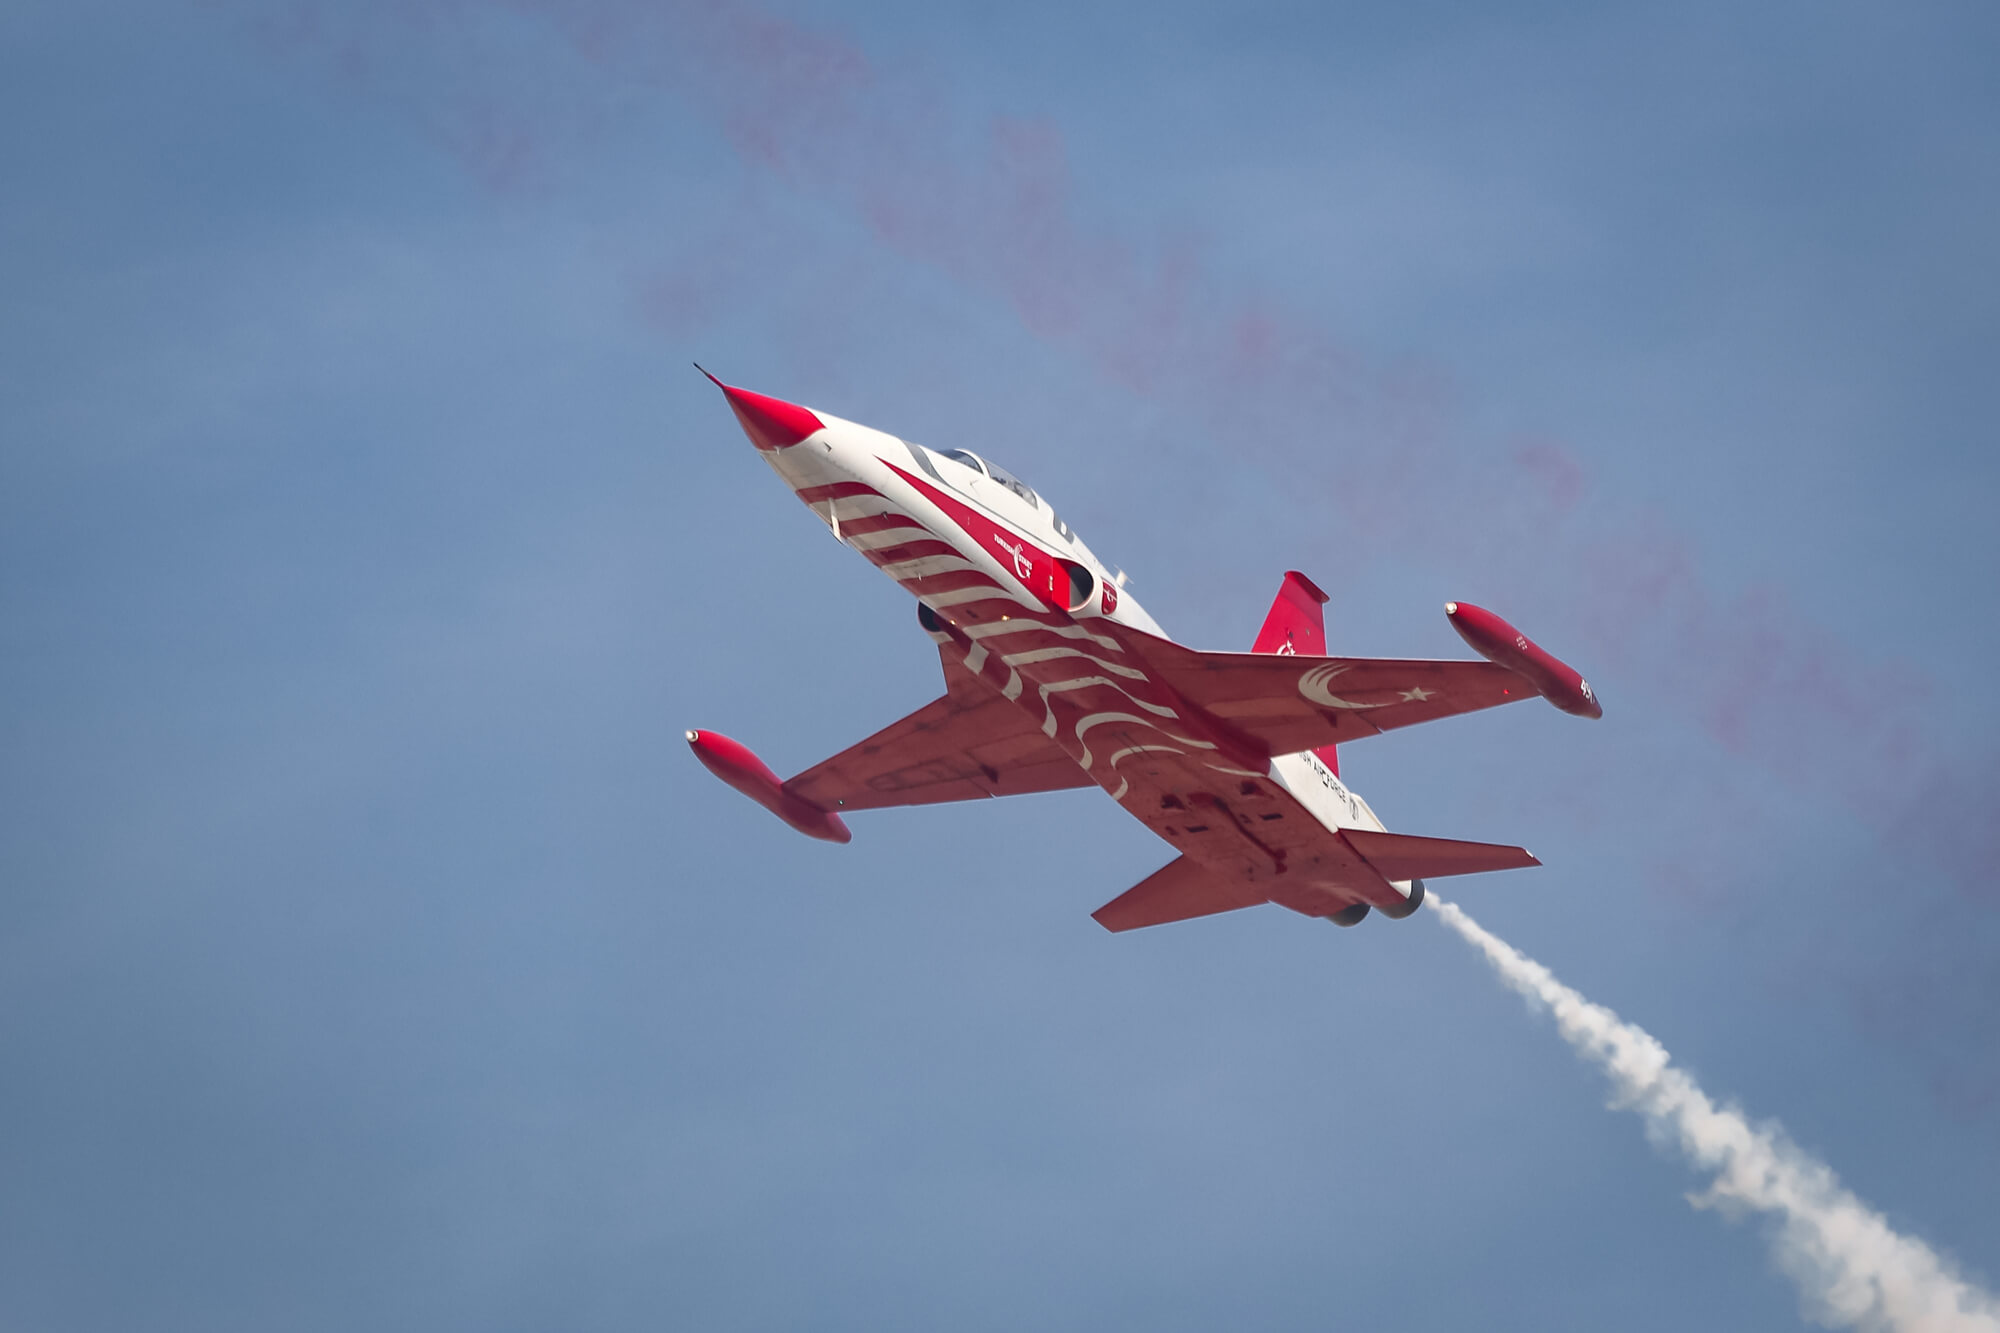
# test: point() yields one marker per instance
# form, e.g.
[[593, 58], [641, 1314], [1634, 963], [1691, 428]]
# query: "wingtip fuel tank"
[[1497, 641], [734, 763]]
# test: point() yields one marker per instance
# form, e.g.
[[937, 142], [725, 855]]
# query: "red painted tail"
[[1297, 624]]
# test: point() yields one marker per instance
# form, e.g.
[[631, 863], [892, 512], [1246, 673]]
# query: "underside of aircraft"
[[1055, 678]]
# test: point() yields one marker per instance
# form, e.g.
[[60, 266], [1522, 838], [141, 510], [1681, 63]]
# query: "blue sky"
[[372, 951]]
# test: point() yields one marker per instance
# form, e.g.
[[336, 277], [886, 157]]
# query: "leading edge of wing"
[[1288, 703], [969, 744]]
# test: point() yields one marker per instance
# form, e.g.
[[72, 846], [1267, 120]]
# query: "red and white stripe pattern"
[[1096, 700], [895, 542]]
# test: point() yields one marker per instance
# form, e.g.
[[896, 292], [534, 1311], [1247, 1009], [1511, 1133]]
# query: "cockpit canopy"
[[995, 471]]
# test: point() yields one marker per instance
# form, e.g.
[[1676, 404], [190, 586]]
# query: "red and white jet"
[[1055, 677]]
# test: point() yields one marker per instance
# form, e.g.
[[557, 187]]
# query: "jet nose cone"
[[771, 423]]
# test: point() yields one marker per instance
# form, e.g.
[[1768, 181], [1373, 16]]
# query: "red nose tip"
[[771, 423]]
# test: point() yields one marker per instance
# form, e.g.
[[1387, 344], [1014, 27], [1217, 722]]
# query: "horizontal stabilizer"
[[1399, 856], [1178, 891]]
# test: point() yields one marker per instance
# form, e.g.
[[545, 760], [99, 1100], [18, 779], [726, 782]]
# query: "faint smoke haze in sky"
[[1852, 1269], [518, 90], [993, 206]]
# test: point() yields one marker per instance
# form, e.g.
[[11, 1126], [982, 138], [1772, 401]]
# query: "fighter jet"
[[1055, 677]]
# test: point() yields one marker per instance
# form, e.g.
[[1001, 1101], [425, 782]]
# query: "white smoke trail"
[[1852, 1269]]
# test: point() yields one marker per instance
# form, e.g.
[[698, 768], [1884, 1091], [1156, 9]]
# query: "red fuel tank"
[[735, 765], [1497, 641]]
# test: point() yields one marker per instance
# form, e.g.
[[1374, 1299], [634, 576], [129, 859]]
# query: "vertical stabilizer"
[[1297, 624]]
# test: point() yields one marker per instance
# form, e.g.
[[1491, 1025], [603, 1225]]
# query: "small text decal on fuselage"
[[1347, 799]]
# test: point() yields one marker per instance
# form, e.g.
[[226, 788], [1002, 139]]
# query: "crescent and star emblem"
[[1313, 686]]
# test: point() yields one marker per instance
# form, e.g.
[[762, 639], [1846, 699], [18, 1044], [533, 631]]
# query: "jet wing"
[[1288, 703], [969, 744]]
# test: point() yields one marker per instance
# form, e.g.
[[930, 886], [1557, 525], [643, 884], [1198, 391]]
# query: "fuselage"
[[1008, 590]]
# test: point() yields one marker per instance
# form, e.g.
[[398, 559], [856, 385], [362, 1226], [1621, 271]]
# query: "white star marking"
[[1418, 695]]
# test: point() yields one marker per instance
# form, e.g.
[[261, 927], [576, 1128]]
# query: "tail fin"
[[1297, 624]]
